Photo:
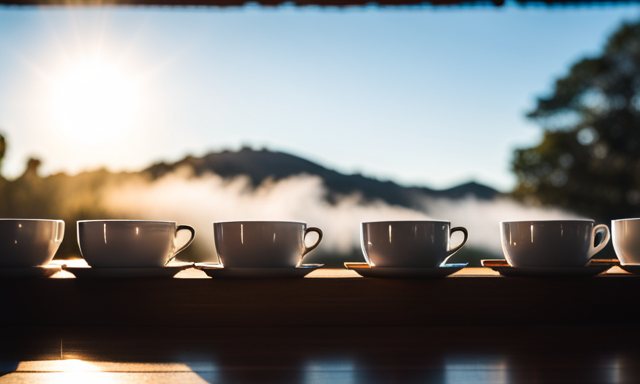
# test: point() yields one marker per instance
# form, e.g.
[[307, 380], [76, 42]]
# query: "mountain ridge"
[[260, 165]]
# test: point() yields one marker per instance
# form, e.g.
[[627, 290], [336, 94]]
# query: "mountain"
[[260, 165]]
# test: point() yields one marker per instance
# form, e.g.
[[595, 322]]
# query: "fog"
[[482, 217], [199, 201]]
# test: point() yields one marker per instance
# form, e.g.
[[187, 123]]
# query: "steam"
[[200, 201]]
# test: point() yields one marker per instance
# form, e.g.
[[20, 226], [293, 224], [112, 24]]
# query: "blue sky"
[[420, 96]]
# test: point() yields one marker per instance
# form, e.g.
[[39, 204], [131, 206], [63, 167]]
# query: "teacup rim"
[[548, 221], [125, 221], [406, 221], [260, 221], [13, 219], [628, 219]]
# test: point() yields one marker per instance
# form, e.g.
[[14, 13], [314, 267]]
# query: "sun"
[[94, 102]]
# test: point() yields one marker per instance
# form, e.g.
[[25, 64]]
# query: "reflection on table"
[[559, 354]]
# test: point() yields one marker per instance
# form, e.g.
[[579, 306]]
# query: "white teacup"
[[29, 242], [626, 240], [262, 244], [551, 243], [408, 244], [130, 243]]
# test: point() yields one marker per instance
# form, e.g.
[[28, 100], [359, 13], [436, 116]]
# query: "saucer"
[[220, 272], [29, 272], [635, 269], [405, 273], [567, 272], [125, 273]]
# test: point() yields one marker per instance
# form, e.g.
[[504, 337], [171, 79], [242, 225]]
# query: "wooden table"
[[473, 327], [367, 355], [333, 298]]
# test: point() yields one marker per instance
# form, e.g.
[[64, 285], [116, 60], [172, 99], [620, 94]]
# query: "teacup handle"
[[59, 231], [314, 246], [599, 228], [193, 236], [464, 241]]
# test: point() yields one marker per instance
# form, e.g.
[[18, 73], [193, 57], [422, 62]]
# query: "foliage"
[[589, 158], [3, 150]]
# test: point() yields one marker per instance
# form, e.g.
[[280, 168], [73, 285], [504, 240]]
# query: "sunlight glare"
[[94, 102], [75, 371]]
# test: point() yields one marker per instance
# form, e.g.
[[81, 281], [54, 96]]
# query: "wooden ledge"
[[465, 299]]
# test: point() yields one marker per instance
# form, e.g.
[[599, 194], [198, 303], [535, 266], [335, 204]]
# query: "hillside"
[[259, 165]]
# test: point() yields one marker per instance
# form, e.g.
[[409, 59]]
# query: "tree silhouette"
[[589, 158], [3, 150]]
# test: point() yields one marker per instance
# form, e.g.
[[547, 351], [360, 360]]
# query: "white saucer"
[[217, 271], [126, 273], [29, 272], [569, 272], [635, 269], [408, 273]]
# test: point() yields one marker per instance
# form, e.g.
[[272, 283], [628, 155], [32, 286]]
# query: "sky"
[[420, 96]]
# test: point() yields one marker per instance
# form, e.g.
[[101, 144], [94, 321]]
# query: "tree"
[[3, 150], [589, 158]]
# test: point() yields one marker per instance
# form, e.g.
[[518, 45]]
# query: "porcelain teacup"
[[625, 235], [29, 242], [262, 244], [408, 244], [130, 243], [551, 243]]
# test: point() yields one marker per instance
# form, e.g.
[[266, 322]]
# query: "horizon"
[[133, 171], [420, 97]]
